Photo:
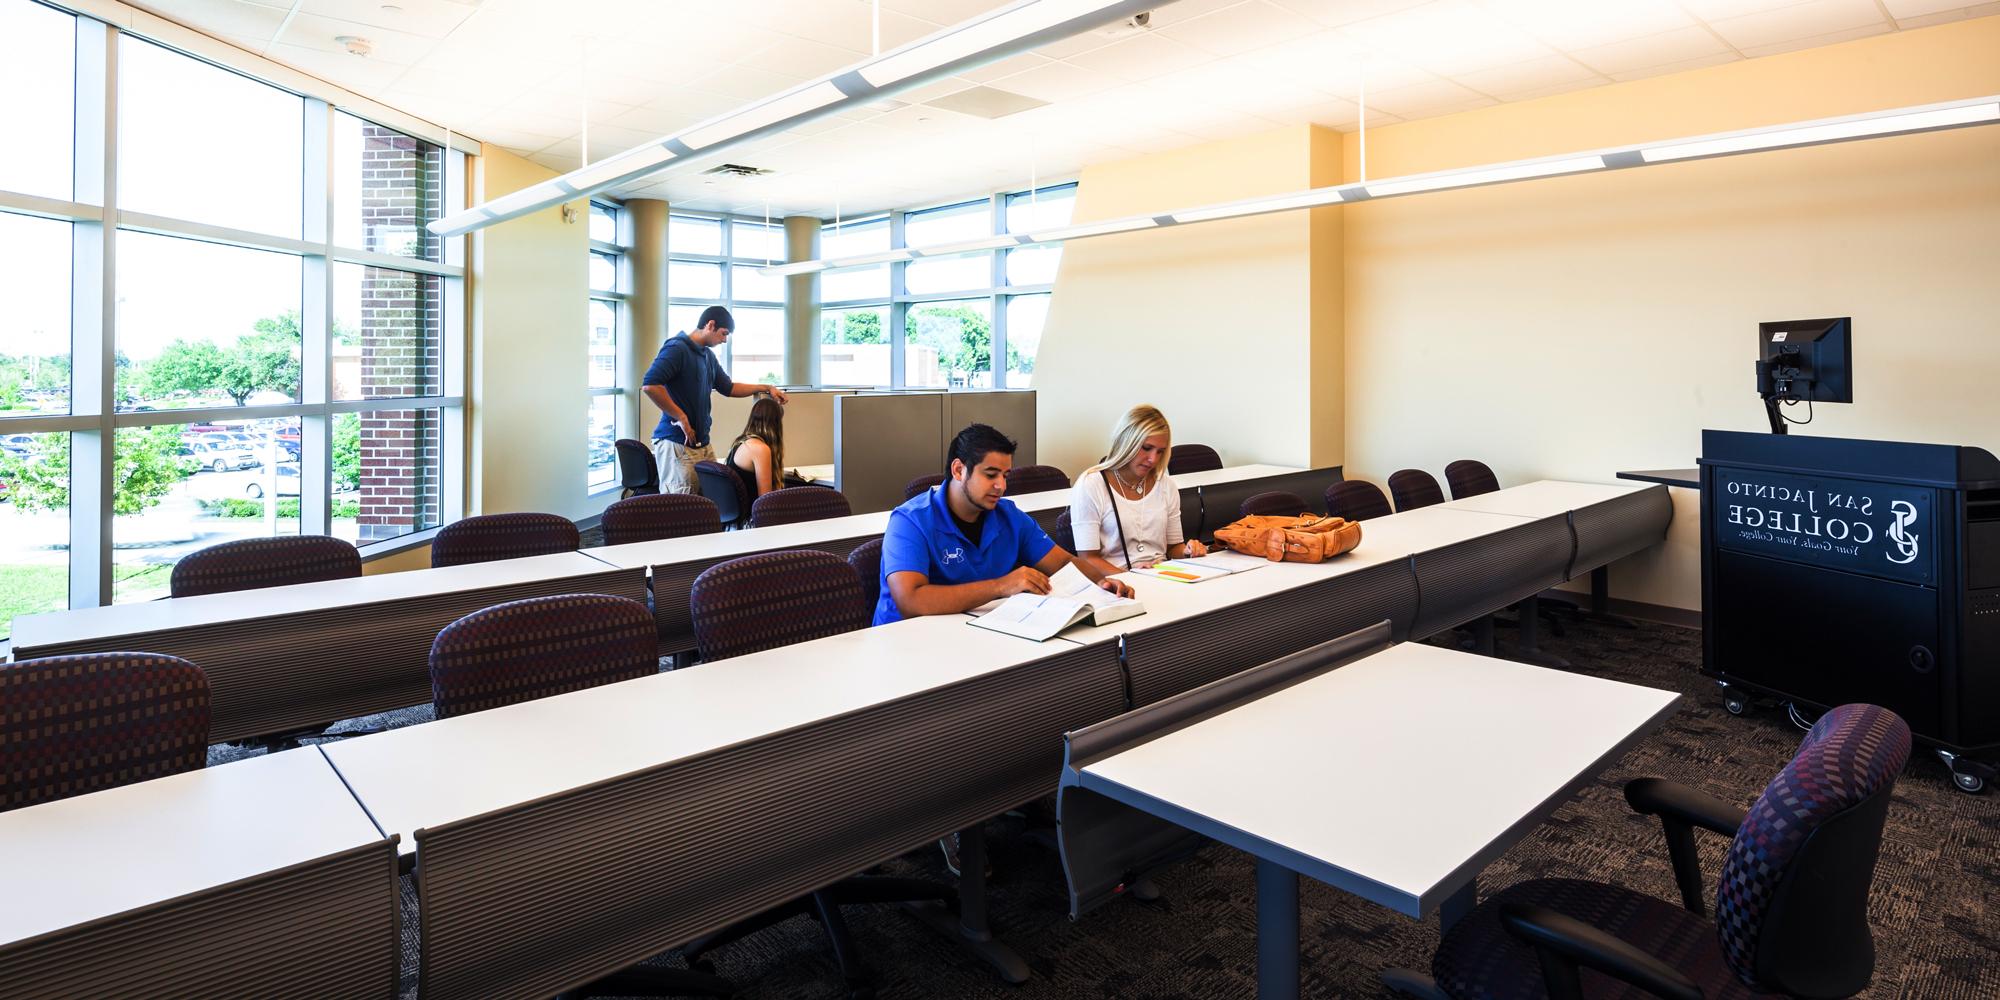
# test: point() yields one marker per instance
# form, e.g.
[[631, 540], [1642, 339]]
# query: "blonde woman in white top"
[[1125, 512]]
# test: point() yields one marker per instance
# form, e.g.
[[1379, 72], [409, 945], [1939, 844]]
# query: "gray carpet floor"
[[1935, 907]]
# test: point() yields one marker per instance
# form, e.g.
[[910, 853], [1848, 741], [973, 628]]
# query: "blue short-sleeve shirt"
[[923, 538], [689, 372]]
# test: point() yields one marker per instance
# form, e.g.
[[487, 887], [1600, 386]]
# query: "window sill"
[[399, 544]]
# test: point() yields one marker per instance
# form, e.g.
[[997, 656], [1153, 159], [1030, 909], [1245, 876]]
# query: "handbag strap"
[[1108, 488]]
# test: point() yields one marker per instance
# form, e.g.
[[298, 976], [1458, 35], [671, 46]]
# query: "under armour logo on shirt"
[[954, 555]]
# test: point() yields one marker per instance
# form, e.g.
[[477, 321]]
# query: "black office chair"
[[1356, 500], [1280, 502], [1063, 534], [921, 484], [1414, 488], [866, 559], [1470, 478], [1185, 458], [1036, 479], [721, 484], [638, 472], [1791, 907]]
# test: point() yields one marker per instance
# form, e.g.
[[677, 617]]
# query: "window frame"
[[620, 301]]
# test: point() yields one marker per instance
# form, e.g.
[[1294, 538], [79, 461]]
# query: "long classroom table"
[[283, 659]]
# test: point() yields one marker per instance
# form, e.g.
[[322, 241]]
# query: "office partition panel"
[[882, 441], [1011, 411]]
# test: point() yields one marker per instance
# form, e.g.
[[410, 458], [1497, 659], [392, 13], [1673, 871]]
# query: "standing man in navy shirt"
[[962, 543], [682, 375]]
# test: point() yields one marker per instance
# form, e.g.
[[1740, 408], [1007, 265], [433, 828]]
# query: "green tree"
[[147, 465], [267, 359], [346, 452], [53, 373], [194, 366], [962, 337], [853, 328]]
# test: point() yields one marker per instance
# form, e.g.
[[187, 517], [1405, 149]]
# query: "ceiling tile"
[[1056, 81], [1676, 67], [515, 139], [1425, 98], [1943, 17], [1713, 10], [1242, 28], [801, 58], [1669, 47], [429, 18], [1448, 37], [1533, 75], [349, 71], [1551, 91], [847, 24], [1577, 24], [1336, 114], [1141, 57], [1814, 41], [222, 17], [1339, 65], [1814, 17], [1900, 9], [1183, 11], [1006, 67], [1334, 13], [315, 32]]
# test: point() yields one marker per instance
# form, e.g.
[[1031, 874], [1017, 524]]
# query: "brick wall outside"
[[402, 334]]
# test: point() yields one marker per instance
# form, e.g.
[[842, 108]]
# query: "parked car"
[[221, 456], [17, 441], [288, 483]]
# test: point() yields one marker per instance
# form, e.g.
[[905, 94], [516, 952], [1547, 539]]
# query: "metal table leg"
[[1277, 931], [969, 925]]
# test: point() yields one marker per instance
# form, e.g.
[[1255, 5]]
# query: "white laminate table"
[[1397, 777], [818, 475], [1545, 498]]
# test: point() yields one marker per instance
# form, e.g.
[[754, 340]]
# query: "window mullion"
[[93, 315], [316, 322]]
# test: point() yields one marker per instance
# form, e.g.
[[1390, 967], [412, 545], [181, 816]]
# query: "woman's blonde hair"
[[767, 423], [1131, 431]]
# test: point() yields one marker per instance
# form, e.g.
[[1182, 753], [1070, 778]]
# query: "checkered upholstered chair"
[[488, 537], [638, 470], [1414, 488], [1356, 500], [659, 515], [866, 561], [1469, 478], [76, 724], [798, 503], [922, 484], [1791, 907], [763, 602], [523, 650], [1273, 502], [1185, 458], [1036, 479], [721, 484], [253, 563]]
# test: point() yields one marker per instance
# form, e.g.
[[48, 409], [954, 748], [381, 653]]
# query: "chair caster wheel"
[[1970, 784], [1736, 706]]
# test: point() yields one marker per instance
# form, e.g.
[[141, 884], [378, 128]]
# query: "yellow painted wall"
[[529, 346], [1573, 327], [1214, 323]]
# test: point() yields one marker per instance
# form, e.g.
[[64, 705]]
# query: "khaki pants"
[[677, 465]]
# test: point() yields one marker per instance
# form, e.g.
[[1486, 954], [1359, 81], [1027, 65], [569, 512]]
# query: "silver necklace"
[[1120, 476]]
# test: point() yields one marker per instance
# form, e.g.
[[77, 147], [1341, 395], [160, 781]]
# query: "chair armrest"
[[1681, 809], [1565, 944], [1673, 800]]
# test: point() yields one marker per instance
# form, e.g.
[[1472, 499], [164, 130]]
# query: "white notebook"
[[1219, 563], [1072, 598]]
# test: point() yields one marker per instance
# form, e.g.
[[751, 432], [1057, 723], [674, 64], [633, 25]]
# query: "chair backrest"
[[523, 650], [1792, 906], [721, 484], [1356, 500], [654, 516], [774, 599], [866, 562], [798, 503], [1469, 478], [922, 484], [1273, 502], [1187, 458], [503, 536], [253, 563], [1414, 488], [1036, 479], [638, 471], [76, 724], [1063, 534]]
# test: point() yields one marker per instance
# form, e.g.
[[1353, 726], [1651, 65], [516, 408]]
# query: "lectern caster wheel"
[[1736, 706], [1971, 784]]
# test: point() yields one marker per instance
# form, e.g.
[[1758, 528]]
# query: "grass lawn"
[[27, 590]]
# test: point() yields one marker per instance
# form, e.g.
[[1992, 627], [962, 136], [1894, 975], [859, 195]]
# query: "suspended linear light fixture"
[[995, 35], [1901, 121]]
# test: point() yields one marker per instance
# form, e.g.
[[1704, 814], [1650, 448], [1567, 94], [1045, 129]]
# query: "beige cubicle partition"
[[1012, 411], [808, 424], [882, 441]]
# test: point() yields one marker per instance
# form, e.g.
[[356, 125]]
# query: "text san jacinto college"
[[1805, 517]]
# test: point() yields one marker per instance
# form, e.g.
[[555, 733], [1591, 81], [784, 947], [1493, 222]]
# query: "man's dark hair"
[[975, 442], [717, 315]]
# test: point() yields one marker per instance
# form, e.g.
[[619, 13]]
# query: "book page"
[[1032, 616]]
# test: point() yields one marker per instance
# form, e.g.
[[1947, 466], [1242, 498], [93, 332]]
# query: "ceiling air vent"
[[737, 170], [986, 102]]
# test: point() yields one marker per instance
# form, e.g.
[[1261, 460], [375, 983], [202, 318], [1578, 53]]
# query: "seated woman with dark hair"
[[758, 456]]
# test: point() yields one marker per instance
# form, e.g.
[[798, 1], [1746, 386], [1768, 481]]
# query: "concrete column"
[[647, 306], [802, 303]]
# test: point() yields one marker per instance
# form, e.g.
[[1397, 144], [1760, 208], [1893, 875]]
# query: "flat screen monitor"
[[1808, 359]]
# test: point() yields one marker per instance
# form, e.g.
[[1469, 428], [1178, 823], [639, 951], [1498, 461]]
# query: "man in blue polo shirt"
[[683, 374], [960, 544]]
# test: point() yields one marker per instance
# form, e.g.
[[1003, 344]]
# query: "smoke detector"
[[356, 44]]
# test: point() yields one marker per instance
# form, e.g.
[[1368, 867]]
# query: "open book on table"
[[1218, 563], [1072, 598]]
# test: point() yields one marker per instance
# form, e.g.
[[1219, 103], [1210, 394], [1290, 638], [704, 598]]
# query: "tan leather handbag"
[[1304, 538]]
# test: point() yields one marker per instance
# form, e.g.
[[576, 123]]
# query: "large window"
[[716, 260], [606, 317], [941, 322], [256, 337]]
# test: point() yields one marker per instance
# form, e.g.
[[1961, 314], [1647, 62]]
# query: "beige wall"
[[1215, 324], [1577, 326], [529, 340]]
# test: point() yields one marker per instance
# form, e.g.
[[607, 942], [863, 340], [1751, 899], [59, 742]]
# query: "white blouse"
[[1151, 525]]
